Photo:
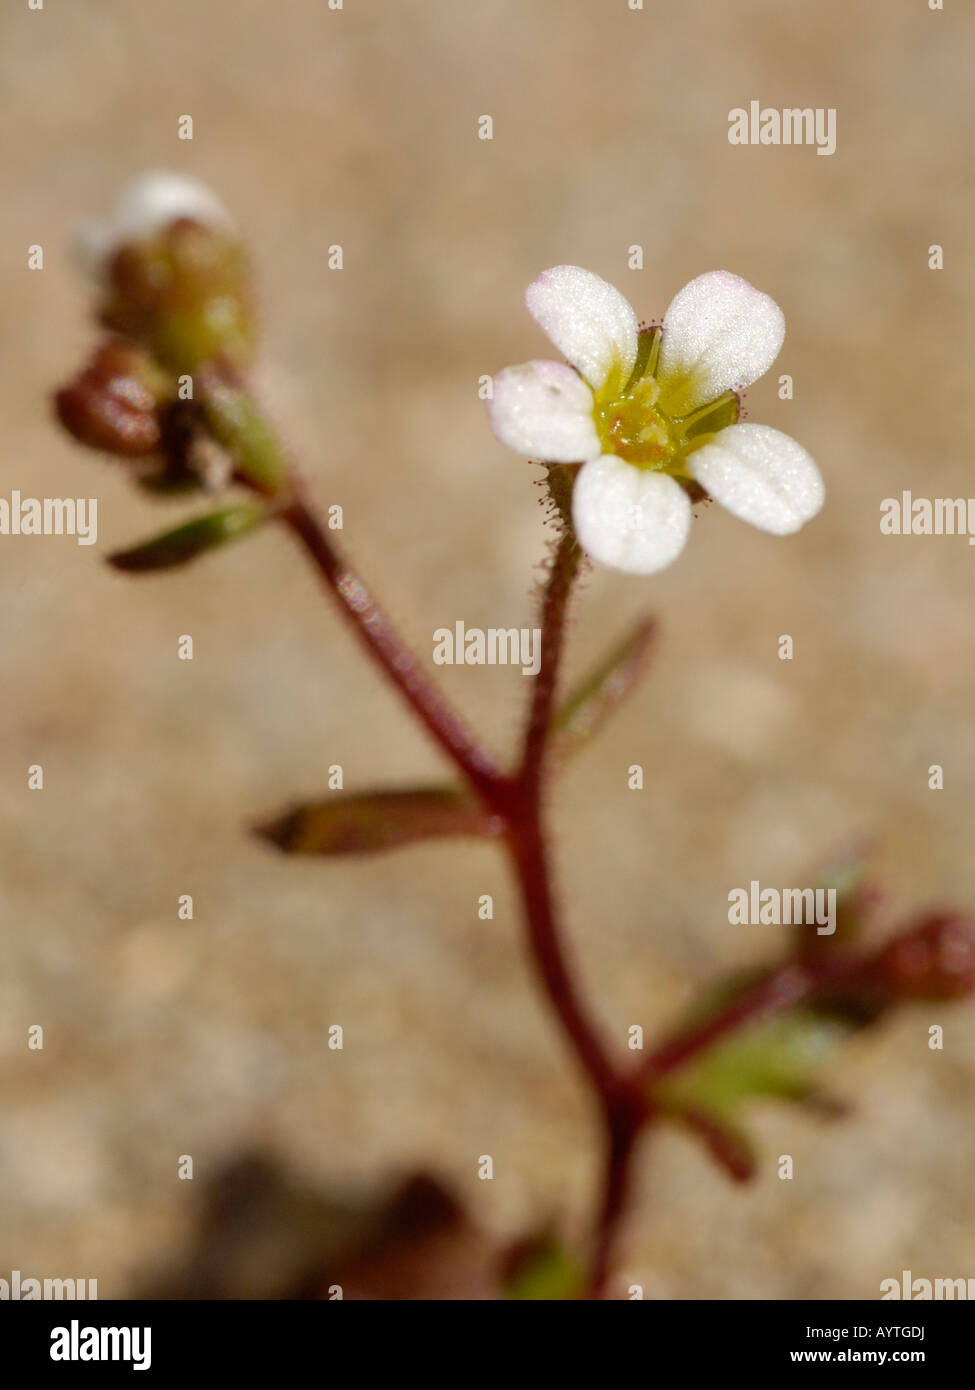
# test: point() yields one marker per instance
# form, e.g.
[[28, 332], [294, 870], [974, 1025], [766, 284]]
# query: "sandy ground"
[[358, 127]]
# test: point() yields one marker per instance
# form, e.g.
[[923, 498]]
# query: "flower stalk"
[[519, 800]]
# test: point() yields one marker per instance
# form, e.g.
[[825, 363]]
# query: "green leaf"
[[591, 703], [363, 823], [541, 1270], [777, 1056], [237, 424], [185, 543]]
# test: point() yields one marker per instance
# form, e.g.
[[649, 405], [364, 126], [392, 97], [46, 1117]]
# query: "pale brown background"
[[359, 127]]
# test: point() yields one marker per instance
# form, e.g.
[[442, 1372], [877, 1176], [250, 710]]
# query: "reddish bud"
[[114, 404], [934, 960]]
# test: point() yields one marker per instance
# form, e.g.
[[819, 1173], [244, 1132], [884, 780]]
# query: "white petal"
[[545, 411], [148, 202], [761, 475], [152, 200], [720, 333], [589, 321], [628, 518], [91, 246]]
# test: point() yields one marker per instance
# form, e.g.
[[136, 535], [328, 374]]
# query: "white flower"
[[148, 203], [649, 413]]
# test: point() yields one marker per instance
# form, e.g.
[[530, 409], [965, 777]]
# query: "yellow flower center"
[[632, 425]]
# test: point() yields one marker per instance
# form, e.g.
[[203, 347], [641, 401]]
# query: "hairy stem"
[[621, 1106], [387, 648], [519, 801], [561, 576], [549, 954]]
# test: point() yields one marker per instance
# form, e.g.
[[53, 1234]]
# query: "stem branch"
[[518, 800], [780, 988], [387, 648]]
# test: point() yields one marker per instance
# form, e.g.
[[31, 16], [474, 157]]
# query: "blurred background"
[[208, 1037]]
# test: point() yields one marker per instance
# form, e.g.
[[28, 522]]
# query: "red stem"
[[622, 1106], [529, 856], [623, 1130], [624, 1095], [781, 988], [561, 576], [527, 837], [387, 648], [517, 799]]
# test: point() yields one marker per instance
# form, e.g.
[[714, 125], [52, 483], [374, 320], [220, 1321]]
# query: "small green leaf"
[[777, 1056], [541, 1270], [237, 424], [186, 542], [362, 823], [591, 703]]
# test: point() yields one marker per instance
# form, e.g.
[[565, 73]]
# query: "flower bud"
[[934, 960], [146, 205], [182, 292], [114, 404]]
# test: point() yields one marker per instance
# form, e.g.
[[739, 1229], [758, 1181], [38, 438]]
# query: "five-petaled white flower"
[[651, 412]]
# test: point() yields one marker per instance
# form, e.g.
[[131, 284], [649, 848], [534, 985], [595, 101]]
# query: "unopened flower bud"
[[114, 405], [146, 205], [173, 273], [182, 292]]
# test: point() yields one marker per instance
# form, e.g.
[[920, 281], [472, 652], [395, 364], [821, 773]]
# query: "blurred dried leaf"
[[365, 822], [592, 702]]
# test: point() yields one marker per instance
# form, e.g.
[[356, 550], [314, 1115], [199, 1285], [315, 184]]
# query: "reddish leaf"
[[362, 823]]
